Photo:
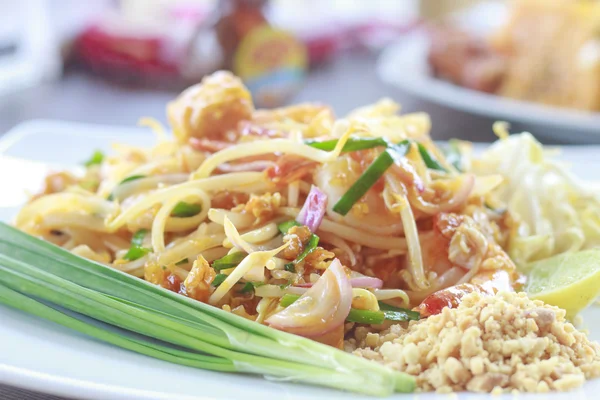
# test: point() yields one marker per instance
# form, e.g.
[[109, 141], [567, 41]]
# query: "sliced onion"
[[313, 210], [461, 195], [323, 307], [368, 282]]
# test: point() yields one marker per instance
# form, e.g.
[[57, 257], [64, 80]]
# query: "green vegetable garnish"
[[288, 299], [96, 159], [247, 288], [128, 179], [366, 316], [312, 244], [453, 155], [229, 261], [185, 210], [136, 250], [398, 313], [430, 161], [284, 227], [364, 183], [219, 278], [184, 261], [131, 178], [401, 148], [290, 267], [138, 238], [190, 332], [351, 145], [286, 285], [135, 253]]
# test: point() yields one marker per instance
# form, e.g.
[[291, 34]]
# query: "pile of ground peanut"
[[488, 344]]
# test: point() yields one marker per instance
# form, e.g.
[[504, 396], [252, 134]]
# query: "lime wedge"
[[570, 281]]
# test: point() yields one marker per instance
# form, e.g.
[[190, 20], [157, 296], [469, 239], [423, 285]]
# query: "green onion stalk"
[[30, 267]]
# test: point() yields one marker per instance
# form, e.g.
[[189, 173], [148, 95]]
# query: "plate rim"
[[450, 95], [53, 383]]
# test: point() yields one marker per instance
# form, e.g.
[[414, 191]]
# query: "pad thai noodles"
[[299, 220]]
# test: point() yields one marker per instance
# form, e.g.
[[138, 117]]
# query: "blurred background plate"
[[404, 65]]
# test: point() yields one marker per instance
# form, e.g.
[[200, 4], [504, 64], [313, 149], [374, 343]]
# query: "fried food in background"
[[465, 60], [548, 52]]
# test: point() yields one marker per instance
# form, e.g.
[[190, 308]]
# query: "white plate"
[[404, 65], [39, 355]]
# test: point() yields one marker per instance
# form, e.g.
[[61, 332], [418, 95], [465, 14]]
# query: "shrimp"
[[211, 109], [289, 168], [460, 242]]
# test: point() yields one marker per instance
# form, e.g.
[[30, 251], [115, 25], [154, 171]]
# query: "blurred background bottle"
[[271, 61]]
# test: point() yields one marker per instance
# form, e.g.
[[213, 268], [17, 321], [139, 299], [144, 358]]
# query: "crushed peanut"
[[262, 207], [296, 237], [493, 344]]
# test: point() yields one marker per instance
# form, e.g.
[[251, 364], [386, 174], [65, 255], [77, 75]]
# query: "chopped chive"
[[290, 267], [366, 316], [284, 227], [398, 313], [137, 251], [401, 148], [248, 287], [364, 183], [184, 261], [219, 278], [286, 285], [401, 316], [288, 299], [430, 161], [453, 155], [351, 145], [138, 238], [96, 159], [228, 261], [312, 244], [128, 179], [185, 210], [132, 178]]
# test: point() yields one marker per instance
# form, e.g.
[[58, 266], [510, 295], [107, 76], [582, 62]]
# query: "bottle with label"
[[271, 61]]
